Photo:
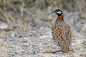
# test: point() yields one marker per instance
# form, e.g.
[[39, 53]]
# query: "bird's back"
[[61, 31]]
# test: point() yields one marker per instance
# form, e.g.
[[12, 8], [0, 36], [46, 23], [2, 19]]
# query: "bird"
[[61, 32]]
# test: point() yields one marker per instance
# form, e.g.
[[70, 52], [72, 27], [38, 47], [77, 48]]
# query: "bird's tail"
[[65, 47]]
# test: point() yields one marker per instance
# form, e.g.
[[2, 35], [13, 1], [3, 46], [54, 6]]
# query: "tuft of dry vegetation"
[[19, 12]]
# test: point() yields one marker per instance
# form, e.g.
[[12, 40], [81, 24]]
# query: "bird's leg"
[[58, 43]]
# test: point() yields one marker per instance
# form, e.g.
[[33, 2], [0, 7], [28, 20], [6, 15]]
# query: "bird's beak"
[[53, 11]]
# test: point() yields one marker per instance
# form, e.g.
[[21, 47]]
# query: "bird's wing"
[[57, 32], [68, 33]]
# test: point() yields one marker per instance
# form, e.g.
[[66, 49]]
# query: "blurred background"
[[26, 26]]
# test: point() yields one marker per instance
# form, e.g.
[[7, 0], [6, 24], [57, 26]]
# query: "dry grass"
[[18, 12]]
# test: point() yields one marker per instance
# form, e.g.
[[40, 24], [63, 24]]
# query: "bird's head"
[[58, 12]]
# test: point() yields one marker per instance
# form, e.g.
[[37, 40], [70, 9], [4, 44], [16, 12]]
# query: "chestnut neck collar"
[[60, 18]]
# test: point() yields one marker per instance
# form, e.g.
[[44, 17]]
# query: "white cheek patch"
[[59, 12]]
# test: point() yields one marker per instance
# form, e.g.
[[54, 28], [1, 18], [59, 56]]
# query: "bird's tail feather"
[[64, 47]]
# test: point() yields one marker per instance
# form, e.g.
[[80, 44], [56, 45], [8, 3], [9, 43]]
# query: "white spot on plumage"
[[63, 32], [59, 12]]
